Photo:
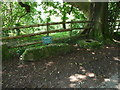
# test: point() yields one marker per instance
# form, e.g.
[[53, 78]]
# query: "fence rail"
[[22, 45], [37, 25], [34, 34], [45, 32]]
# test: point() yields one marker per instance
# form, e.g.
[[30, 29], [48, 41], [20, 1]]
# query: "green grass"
[[60, 35]]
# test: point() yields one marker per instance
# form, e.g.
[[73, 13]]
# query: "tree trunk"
[[86, 31], [100, 29], [104, 19]]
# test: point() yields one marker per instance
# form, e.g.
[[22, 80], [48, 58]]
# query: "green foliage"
[[9, 54], [48, 11], [14, 13], [38, 53], [92, 44], [69, 40], [114, 13], [60, 35]]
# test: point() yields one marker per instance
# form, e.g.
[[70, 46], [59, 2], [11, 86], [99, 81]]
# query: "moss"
[[38, 53], [92, 44], [5, 52], [70, 40]]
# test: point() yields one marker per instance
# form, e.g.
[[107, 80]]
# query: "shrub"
[[38, 53]]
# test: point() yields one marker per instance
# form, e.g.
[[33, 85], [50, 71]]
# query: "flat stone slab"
[[46, 51]]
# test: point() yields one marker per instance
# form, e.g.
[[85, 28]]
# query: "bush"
[[92, 44], [38, 53]]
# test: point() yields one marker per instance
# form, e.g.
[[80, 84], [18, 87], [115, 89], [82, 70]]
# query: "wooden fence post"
[[70, 33], [47, 28]]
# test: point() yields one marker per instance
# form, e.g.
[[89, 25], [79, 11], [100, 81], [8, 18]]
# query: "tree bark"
[[101, 29]]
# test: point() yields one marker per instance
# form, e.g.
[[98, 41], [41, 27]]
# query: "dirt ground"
[[83, 68]]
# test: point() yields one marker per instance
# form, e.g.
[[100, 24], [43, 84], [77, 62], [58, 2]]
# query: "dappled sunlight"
[[90, 75], [88, 49], [106, 79], [76, 45], [22, 65], [107, 47], [49, 63], [82, 69], [72, 85], [110, 47], [117, 86], [116, 58], [116, 41], [93, 53], [78, 49], [116, 81], [80, 78], [77, 78]]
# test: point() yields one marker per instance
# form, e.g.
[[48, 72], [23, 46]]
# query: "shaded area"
[[84, 68]]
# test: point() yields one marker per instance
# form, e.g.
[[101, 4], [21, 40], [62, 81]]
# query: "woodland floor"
[[80, 69]]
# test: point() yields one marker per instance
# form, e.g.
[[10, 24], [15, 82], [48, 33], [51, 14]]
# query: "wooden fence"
[[46, 24], [45, 32]]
